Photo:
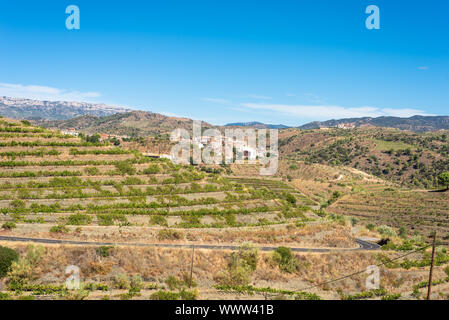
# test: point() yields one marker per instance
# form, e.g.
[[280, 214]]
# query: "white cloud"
[[215, 100], [170, 114], [45, 93], [423, 68], [327, 112], [405, 113]]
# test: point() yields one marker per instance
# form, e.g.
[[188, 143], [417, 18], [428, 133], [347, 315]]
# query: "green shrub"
[[240, 268], [174, 283], [79, 219], [247, 253], [109, 219], [386, 231], [59, 229], [34, 254], [446, 270], [125, 167], [9, 225], [158, 219], [153, 169], [167, 234], [104, 251], [290, 198], [5, 296], [17, 204], [249, 289], [284, 257], [403, 232], [95, 286], [105, 220], [165, 295], [92, 171], [136, 284], [370, 226], [7, 257], [121, 281], [391, 296], [23, 270], [188, 294]]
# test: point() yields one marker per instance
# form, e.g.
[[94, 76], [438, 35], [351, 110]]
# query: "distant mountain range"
[[415, 123], [132, 124], [256, 124], [91, 117], [18, 108]]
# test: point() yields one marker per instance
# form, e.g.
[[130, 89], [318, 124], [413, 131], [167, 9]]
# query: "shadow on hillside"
[[442, 190]]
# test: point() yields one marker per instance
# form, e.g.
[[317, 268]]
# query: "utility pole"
[[191, 266], [429, 290]]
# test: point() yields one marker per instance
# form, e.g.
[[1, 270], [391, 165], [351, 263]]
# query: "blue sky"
[[287, 62]]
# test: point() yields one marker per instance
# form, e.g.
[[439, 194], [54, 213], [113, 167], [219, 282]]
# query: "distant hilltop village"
[[345, 126], [102, 136], [242, 147], [70, 132]]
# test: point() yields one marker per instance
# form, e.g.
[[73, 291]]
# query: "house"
[[248, 152], [345, 126], [70, 132]]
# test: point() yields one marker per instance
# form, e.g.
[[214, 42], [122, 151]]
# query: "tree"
[[443, 179], [290, 198], [7, 257]]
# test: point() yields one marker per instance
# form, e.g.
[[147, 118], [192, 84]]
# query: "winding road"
[[363, 245]]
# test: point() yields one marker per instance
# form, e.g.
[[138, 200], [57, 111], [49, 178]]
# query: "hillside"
[[129, 223], [55, 186], [415, 123], [17, 108], [403, 157], [258, 125], [132, 124]]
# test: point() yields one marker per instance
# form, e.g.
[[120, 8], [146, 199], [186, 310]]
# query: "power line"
[[362, 271]]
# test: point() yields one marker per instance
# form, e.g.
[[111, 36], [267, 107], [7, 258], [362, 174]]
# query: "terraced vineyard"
[[54, 181], [419, 212], [129, 221], [277, 186]]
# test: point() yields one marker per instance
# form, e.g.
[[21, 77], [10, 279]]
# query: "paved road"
[[363, 245]]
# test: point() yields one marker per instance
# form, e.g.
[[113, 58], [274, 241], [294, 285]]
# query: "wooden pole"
[[429, 289], [191, 266]]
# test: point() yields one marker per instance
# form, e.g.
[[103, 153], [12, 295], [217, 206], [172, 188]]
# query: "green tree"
[[7, 257], [443, 179]]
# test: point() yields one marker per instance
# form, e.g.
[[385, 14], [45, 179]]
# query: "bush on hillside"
[[386, 231], [284, 257], [7, 257]]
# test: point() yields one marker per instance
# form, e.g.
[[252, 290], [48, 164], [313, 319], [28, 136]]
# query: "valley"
[[138, 226]]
